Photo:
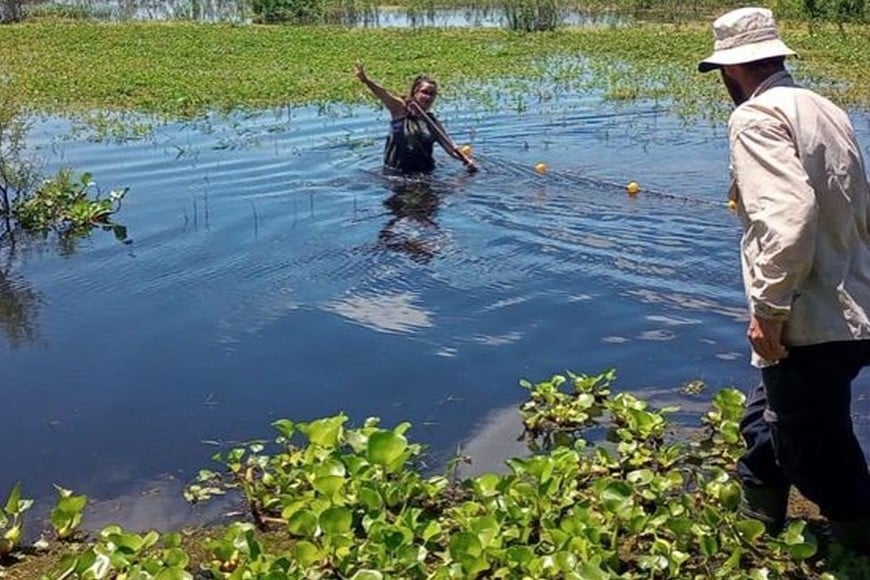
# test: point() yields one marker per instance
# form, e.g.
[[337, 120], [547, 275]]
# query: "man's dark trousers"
[[798, 429]]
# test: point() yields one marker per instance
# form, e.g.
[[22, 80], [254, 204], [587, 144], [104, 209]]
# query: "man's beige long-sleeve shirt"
[[801, 186]]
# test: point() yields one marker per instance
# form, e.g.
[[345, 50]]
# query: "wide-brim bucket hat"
[[744, 35]]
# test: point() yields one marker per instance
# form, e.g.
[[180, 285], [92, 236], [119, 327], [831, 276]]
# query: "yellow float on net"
[[732, 204], [542, 168], [632, 188], [466, 150]]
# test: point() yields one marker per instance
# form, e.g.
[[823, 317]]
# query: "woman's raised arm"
[[394, 103]]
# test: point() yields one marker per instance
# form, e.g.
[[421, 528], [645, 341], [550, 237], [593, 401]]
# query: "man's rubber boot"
[[854, 535], [767, 505]]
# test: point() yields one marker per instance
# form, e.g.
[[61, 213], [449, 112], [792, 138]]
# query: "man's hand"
[[765, 336]]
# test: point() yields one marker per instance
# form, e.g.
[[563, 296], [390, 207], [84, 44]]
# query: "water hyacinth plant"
[[66, 516], [64, 203], [639, 503], [11, 525], [611, 489]]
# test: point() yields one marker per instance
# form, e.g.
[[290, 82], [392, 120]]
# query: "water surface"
[[272, 271]]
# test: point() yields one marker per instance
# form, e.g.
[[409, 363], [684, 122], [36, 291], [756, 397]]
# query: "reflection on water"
[[411, 227], [274, 272], [349, 14], [19, 302]]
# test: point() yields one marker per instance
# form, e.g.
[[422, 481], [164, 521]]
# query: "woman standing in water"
[[413, 129]]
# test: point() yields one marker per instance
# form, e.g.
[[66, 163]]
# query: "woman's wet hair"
[[419, 80]]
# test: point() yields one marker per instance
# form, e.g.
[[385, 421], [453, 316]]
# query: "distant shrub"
[[11, 10], [64, 11], [313, 11], [298, 11], [533, 15]]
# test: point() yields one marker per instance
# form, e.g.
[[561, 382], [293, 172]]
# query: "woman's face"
[[425, 94]]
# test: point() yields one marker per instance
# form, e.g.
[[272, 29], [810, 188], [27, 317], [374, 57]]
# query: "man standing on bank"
[[801, 189]]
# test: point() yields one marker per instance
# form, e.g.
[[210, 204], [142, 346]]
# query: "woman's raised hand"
[[360, 71]]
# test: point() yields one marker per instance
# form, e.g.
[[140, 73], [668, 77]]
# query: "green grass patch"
[[182, 69]]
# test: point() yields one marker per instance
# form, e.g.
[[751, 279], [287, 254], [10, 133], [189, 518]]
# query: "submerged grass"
[[183, 69]]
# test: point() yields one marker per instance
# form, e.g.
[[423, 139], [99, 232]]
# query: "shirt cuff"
[[763, 310]]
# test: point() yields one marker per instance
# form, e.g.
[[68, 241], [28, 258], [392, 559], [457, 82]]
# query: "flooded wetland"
[[268, 269]]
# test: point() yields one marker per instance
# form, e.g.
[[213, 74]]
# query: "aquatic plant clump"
[[65, 204], [330, 500], [635, 505]]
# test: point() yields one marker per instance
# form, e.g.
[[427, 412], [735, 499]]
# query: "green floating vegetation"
[[67, 204], [330, 501], [184, 69], [64, 204]]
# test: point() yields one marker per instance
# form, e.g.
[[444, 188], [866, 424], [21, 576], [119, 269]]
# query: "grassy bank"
[[182, 68]]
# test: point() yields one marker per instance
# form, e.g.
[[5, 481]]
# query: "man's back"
[[832, 301]]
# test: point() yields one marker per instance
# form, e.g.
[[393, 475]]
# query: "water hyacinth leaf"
[[329, 477], [640, 477], [465, 545], [336, 520], [733, 560], [173, 574], [730, 432], [306, 553], [129, 542], [395, 539], [730, 495], [356, 439], [566, 561], [432, 529], [796, 543], [709, 546], [67, 513], [285, 427], [303, 523], [385, 447], [369, 497], [519, 555], [324, 432], [176, 557], [801, 551], [172, 540], [486, 484], [12, 535], [99, 567], [13, 502], [367, 575], [487, 529], [328, 485], [584, 400], [655, 562], [615, 495], [750, 530], [411, 554], [65, 567]]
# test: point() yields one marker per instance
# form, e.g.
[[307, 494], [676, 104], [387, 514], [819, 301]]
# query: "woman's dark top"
[[409, 145]]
